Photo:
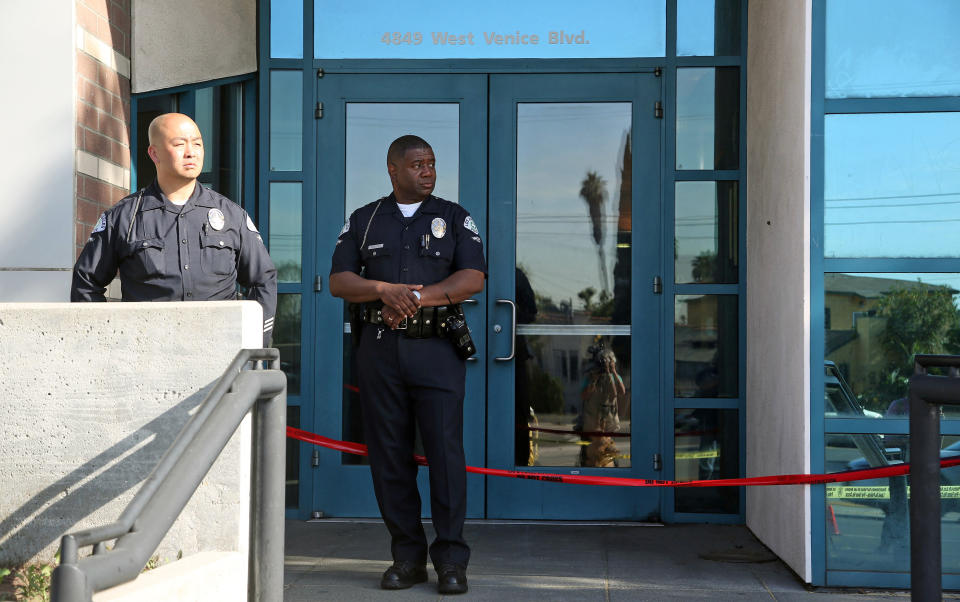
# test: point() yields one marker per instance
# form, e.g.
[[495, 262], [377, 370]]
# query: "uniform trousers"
[[407, 383]]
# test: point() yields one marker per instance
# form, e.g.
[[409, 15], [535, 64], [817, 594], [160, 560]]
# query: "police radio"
[[455, 328]]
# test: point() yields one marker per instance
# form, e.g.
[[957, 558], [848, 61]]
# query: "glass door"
[[574, 321], [362, 114]]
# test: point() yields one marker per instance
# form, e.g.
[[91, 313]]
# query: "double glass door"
[[562, 176]]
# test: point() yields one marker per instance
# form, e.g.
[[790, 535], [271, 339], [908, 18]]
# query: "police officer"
[[176, 240], [411, 258]]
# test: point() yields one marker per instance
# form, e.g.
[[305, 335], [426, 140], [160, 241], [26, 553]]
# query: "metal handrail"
[[927, 393], [153, 510]]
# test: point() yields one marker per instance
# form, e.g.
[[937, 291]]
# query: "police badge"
[[216, 219], [438, 227]]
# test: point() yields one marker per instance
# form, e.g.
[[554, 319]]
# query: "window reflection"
[[708, 118], [286, 338], [706, 230], [708, 27], [371, 127], [891, 185], [877, 322], [286, 29], [919, 56], [706, 447], [867, 521], [705, 346], [286, 229], [286, 120], [219, 115], [354, 29], [574, 184], [573, 401]]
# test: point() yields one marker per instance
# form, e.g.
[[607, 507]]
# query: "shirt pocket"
[[144, 258], [440, 250], [218, 253]]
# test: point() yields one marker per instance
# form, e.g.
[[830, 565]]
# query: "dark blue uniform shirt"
[[197, 252], [438, 240]]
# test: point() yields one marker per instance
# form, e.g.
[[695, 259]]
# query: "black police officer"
[[176, 240], [410, 258]]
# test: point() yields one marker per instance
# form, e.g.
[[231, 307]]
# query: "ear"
[[392, 170], [152, 152]]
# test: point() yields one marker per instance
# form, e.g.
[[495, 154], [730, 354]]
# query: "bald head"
[[176, 147]]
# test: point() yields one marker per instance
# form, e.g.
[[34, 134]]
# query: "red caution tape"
[[791, 479]]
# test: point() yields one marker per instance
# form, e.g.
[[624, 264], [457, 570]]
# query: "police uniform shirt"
[[440, 239], [195, 252]]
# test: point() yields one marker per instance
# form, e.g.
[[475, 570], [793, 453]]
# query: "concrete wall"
[[778, 274], [91, 395], [37, 159], [177, 42]]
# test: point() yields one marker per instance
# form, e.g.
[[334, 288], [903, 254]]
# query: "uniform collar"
[[428, 205], [153, 197]]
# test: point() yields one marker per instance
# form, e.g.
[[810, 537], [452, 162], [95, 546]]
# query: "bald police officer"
[[411, 258], [176, 240]]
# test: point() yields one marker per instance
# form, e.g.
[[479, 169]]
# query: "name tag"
[[372, 247]]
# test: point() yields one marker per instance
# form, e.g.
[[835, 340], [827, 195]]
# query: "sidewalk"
[[343, 560]]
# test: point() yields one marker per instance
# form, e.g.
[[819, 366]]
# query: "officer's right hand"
[[401, 298]]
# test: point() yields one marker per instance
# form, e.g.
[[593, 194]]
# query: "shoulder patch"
[[101, 224], [346, 228], [250, 225], [470, 225]]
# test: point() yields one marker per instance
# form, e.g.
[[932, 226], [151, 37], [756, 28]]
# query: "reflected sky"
[[892, 185], [624, 28], [887, 48], [695, 27], [286, 120], [558, 144], [286, 29], [286, 228], [695, 118], [371, 127]]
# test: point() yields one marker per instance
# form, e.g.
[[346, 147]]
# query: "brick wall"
[[103, 109]]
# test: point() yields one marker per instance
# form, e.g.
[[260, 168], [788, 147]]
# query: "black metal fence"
[[927, 393]]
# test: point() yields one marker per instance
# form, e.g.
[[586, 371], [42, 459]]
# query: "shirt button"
[[184, 241], [406, 247], [403, 269], [146, 244], [221, 243], [186, 266]]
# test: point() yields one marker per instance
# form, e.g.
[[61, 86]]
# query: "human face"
[[416, 175], [177, 148]]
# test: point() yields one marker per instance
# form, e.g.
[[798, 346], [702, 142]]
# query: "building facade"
[[745, 205]]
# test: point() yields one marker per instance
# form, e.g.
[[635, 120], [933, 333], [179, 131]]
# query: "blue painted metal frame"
[[820, 265], [512, 498], [672, 175], [353, 495], [308, 65], [306, 177]]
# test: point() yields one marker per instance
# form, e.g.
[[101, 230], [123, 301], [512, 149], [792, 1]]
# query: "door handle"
[[470, 302], [513, 331]]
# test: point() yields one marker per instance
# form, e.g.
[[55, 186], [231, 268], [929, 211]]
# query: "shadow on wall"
[[64, 505]]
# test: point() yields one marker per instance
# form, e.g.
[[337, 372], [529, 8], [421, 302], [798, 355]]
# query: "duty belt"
[[423, 324]]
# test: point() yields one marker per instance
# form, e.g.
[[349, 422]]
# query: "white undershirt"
[[179, 203], [409, 210]]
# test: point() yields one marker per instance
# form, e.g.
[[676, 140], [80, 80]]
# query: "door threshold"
[[501, 521]]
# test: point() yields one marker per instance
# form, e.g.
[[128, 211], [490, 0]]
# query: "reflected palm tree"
[[593, 190]]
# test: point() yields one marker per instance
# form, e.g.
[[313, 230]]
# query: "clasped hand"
[[399, 303]]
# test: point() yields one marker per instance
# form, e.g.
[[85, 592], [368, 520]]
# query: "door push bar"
[[513, 331]]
